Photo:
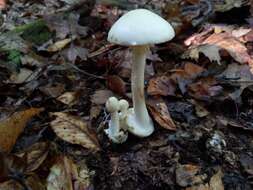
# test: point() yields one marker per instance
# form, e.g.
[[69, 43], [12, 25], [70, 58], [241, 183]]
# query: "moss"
[[36, 32]]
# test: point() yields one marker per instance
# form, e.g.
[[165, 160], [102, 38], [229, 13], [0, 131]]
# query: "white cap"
[[140, 27], [112, 105]]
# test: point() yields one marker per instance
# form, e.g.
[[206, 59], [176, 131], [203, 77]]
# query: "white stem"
[[115, 123], [138, 69]]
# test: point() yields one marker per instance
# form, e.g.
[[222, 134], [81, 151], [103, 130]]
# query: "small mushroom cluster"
[[137, 29], [117, 130]]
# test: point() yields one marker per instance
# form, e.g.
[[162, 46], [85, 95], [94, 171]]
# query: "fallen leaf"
[[24, 75], [11, 185], [215, 183], [68, 98], [162, 85], [59, 45], [73, 130], [184, 77], [65, 25], [204, 88], [116, 84], [13, 126], [95, 111], [66, 175], [35, 182], [211, 45], [187, 175], [73, 52], [210, 51], [101, 96], [237, 75], [2, 4], [53, 90], [35, 156], [199, 109], [159, 111], [10, 165], [193, 70]]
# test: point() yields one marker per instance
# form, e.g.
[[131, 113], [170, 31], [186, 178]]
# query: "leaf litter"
[[54, 54]]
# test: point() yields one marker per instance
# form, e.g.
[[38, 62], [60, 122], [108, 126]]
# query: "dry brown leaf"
[[200, 110], [59, 45], [73, 130], [237, 74], [228, 41], [13, 126], [116, 84], [35, 182], [204, 88], [95, 111], [185, 76], [193, 70], [35, 156], [74, 52], [162, 85], [188, 175], [23, 76], [215, 183], [68, 98], [54, 90], [11, 185], [159, 111], [65, 25], [2, 4], [101, 96], [66, 175]]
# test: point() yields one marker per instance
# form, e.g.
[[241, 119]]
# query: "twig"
[[84, 72]]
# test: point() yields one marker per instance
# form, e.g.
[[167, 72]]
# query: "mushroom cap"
[[112, 104], [123, 105], [140, 27]]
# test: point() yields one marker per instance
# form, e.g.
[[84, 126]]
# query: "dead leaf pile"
[[216, 38]]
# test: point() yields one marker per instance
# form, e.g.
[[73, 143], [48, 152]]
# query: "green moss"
[[36, 32]]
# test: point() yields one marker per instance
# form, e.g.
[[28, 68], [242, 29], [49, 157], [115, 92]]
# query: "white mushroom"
[[139, 29], [123, 107], [114, 131]]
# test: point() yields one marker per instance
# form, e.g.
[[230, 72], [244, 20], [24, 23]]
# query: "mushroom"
[[123, 107], [139, 29], [114, 131]]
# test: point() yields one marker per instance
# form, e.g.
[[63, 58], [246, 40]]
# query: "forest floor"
[[57, 71]]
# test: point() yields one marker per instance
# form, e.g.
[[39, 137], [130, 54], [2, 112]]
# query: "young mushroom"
[[123, 107], [114, 131], [139, 29]]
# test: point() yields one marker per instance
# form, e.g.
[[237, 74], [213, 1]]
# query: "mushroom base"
[[119, 137], [138, 128]]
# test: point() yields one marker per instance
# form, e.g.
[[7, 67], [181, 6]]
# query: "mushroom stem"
[[114, 131], [115, 123], [137, 84]]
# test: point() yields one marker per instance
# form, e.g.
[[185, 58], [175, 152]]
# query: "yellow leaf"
[[68, 98], [13, 126], [74, 130], [57, 46]]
